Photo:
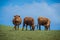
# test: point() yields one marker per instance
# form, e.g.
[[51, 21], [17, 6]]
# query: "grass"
[[8, 33]]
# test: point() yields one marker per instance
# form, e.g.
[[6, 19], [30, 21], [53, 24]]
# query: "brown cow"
[[17, 21], [44, 22], [28, 21]]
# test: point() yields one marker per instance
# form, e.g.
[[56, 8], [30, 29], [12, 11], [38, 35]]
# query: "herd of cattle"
[[30, 21]]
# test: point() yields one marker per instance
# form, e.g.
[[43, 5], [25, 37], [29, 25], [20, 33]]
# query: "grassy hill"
[[8, 33]]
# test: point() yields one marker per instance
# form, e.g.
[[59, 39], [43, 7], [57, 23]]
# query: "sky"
[[32, 8]]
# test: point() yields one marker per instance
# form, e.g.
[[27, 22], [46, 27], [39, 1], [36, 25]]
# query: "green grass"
[[8, 33]]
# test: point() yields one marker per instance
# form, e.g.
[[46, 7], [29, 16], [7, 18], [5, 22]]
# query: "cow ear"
[[14, 16], [19, 16]]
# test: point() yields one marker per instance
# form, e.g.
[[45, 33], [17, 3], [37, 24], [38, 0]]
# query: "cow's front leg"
[[46, 28], [39, 27], [18, 27], [15, 27], [26, 27]]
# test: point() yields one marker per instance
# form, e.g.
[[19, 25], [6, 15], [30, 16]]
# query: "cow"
[[44, 22], [28, 21], [16, 21]]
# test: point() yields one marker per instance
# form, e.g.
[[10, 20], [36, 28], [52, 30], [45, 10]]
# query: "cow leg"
[[46, 28], [39, 27], [30, 27], [49, 27], [33, 27], [26, 27], [18, 27], [23, 26], [15, 27]]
